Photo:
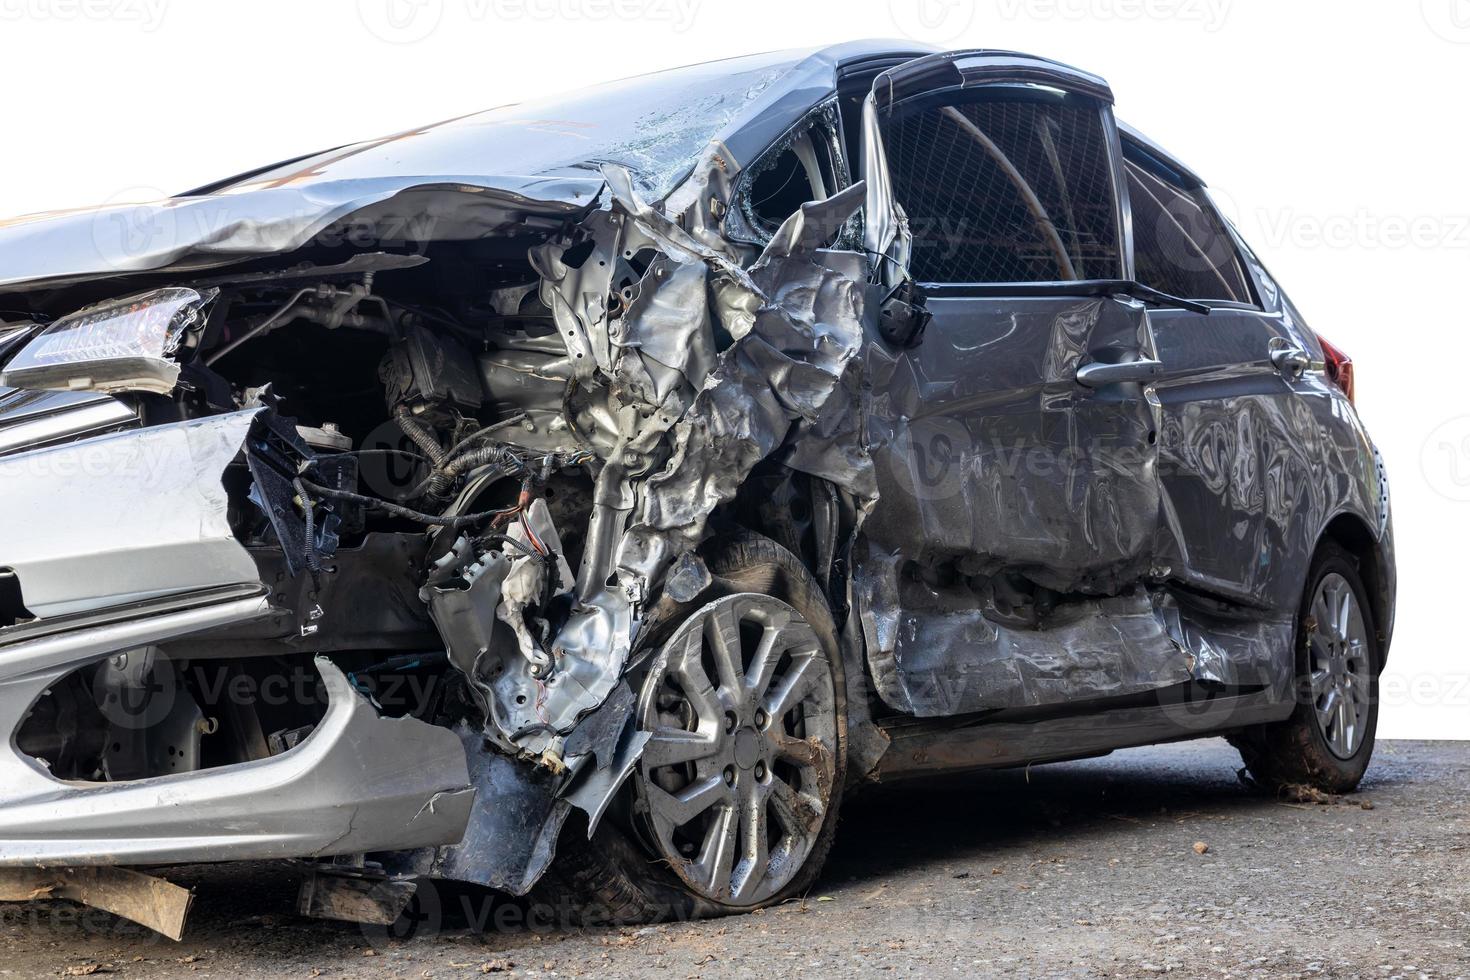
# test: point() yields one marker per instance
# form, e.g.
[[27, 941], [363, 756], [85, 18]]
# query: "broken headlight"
[[120, 345]]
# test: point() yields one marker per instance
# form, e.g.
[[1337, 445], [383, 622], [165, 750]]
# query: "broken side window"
[[1011, 186], [1180, 244], [805, 165]]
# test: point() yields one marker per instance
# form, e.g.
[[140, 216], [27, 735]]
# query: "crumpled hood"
[[461, 179], [62, 247]]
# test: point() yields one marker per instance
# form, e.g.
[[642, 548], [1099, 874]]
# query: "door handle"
[[1097, 374], [1291, 361]]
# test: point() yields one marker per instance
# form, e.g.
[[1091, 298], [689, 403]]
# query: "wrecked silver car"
[[579, 496]]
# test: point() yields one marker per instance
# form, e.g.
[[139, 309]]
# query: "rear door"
[[1237, 437], [1019, 507]]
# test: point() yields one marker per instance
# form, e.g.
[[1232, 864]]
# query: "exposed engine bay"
[[481, 467]]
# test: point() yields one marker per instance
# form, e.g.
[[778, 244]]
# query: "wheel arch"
[[808, 516], [1354, 535]]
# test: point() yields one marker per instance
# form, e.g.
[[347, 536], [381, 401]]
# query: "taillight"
[[1339, 367]]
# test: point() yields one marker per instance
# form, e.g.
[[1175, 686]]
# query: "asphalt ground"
[[1146, 862]]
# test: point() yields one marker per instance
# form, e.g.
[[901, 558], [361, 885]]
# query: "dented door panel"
[[991, 455], [1007, 493]]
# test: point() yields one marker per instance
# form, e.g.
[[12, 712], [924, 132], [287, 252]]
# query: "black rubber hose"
[[437, 483]]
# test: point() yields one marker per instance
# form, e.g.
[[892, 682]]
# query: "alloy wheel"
[[1339, 665], [737, 777]]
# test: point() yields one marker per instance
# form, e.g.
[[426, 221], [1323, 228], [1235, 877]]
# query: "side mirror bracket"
[[902, 315]]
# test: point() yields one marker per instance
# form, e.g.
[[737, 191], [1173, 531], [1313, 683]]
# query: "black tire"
[[1287, 756], [615, 878]]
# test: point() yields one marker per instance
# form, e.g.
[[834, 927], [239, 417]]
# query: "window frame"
[[1034, 91], [826, 116], [1148, 157]]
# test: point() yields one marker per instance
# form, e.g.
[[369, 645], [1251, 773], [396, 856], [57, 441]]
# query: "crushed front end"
[[349, 554]]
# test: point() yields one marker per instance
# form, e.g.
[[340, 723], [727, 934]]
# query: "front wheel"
[[1328, 740], [733, 805]]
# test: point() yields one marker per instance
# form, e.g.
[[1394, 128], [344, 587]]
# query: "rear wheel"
[[1328, 740], [734, 803]]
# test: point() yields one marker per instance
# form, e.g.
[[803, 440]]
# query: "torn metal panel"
[[1236, 650], [601, 754], [934, 655], [692, 423], [151, 902], [463, 593], [152, 498], [796, 325], [510, 837]]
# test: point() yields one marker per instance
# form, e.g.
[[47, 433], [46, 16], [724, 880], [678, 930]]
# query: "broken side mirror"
[[902, 316]]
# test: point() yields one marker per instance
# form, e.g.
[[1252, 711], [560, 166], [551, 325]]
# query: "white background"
[[1334, 131]]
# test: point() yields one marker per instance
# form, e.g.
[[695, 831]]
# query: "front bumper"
[[121, 542]]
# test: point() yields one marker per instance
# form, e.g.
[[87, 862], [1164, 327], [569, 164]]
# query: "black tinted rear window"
[[1180, 245]]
